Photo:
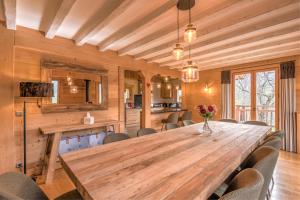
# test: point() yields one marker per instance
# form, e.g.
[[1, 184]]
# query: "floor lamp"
[[32, 90]]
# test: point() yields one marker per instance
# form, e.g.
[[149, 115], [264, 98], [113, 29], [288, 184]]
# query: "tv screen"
[[138, 101]]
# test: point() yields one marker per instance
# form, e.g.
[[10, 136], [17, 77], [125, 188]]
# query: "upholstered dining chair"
[[273, 141], [244, 186], [17, 186], [114, 137], [264, 160], [228, 120], [188, 122], [146, 131], [187, 115], [72, 195], [258, 123], [171, 126], [278, 133], [172, 118]]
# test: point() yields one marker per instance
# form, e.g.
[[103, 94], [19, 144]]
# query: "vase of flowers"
[[207, 112]]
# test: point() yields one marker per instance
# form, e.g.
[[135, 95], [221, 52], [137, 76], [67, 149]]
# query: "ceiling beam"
[[223, 30], [10, 13], [63, 10], [136, 26], [255, 40], [172, 28], [111, 10], [268, 56], [250, 52]]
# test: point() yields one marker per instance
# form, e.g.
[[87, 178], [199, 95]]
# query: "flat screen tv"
[[138, 100]]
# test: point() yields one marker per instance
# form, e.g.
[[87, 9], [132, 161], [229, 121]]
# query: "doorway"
[[255, 95]]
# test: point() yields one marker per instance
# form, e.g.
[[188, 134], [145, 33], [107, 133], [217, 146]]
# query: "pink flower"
[[202, 111], [210, 108]]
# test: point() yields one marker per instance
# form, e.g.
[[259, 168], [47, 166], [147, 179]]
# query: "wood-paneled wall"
[[7, 152], [25, 54], [195, 93]]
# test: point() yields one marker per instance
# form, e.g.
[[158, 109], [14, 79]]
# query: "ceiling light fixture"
[[190, 71], [190, 33], [178, 49]]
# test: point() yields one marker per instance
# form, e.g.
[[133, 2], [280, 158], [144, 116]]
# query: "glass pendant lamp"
[[190, 33], [190, 71], [178, 49]]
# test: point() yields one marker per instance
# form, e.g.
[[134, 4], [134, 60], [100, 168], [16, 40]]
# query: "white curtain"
[[225, 94], [287, 119]]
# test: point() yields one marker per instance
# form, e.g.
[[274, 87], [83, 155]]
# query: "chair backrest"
[[171, 126], [258, 123], [273, 141], [173, 118], [246, 185], [188, 122], [187, 115], [146, 131], [277, 133], [18, 186], [264, 160], [228, 120], [114, 137]]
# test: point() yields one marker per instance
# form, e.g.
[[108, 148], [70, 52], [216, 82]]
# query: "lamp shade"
[[36, 89]]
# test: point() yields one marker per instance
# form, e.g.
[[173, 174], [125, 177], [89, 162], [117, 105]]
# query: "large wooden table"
[[175, 164]]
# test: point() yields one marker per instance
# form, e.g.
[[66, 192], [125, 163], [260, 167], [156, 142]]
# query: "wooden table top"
[[175, 164]]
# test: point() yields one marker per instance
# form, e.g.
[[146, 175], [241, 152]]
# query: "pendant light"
[[190, 71], [190, 33], [178, 49]]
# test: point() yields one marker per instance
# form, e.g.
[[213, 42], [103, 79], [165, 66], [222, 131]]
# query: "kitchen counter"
[[168, 110]]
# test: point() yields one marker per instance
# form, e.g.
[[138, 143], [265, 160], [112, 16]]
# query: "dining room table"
[[181, 163]]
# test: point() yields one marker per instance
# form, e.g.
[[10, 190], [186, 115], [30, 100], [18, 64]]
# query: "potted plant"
[[207, 112]]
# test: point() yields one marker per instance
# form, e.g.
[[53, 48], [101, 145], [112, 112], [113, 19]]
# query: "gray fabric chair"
[[247, 185], [264, 160], [188, 122], [273, 141], [171, 126], [228, 120], [277, 133], [114, 137], [17, 186], [72, 195], [187, 115], [146, 131], [172, 118], [258, 123]]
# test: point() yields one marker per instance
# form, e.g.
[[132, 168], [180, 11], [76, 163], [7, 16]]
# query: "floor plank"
[[287, 179]]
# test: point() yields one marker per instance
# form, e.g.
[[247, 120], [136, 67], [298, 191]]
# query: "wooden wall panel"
[[7, 147], [30, 48]]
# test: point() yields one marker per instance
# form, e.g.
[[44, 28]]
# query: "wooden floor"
[[287, 180]]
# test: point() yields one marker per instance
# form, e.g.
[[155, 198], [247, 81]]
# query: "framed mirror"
[[75, 88]]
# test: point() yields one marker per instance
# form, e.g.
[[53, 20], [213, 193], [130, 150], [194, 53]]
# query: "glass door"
[[255, 96]]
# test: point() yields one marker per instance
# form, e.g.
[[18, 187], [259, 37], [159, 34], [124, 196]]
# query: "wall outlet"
[[19, 113], [19, 165]]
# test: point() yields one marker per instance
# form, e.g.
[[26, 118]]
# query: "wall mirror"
[[76, 88]]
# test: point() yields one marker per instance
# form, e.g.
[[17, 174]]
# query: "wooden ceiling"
[[229, 32]]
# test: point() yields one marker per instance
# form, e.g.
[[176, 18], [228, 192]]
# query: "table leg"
[[53, 157]]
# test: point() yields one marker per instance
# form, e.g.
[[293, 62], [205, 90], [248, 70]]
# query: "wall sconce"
[[207, 89], [177, 87], [73, 89], [168, 86], [159, 85]]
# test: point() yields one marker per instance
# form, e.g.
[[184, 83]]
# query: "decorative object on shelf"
[[178, 49], [32, 90], [207, 112], [88, 119], [190, 33], [190, 71]]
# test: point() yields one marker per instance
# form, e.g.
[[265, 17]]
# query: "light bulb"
[[178, 51], [190, 33], [158, 85]]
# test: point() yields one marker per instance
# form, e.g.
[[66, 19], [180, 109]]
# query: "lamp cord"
[[190, 16], [177, 25]]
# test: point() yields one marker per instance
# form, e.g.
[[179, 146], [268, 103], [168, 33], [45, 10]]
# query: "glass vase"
[[206, 129]]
